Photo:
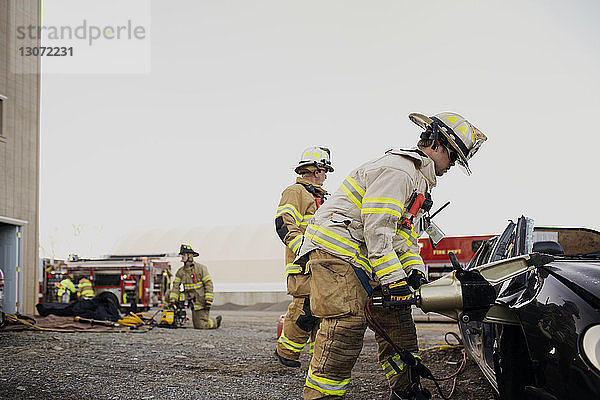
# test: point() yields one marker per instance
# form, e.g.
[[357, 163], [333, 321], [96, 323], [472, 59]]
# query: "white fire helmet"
[[315, 156], [457, 132]]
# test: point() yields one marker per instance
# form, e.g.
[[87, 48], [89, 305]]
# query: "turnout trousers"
[[338, 298], [201, 320], [298, 326]]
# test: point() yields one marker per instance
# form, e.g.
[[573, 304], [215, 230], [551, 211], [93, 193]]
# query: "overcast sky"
[[238, 88]]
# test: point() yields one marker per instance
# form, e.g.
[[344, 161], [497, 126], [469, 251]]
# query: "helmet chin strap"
[[434, 135]]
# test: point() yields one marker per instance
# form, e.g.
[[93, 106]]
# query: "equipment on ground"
[[173, 315], [315, 156], [280, 325], [96, 322]]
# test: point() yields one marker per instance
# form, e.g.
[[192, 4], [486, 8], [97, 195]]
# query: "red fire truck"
[[437, 261], [132, 279]]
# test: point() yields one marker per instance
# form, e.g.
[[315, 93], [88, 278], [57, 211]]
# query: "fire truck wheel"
[[111, 297]]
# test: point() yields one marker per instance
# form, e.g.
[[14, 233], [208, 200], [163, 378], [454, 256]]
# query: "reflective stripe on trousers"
[[394, 365], [325, 385], [290, 345]]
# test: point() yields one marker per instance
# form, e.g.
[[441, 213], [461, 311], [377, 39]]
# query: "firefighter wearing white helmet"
[[297, 205], [313, 158], [365, 238], [451, 130]]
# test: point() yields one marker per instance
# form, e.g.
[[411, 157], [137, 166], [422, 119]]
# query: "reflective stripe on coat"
[[197, 285], [296, 207], [360, 222]]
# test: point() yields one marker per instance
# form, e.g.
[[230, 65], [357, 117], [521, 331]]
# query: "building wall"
[[19, 142]]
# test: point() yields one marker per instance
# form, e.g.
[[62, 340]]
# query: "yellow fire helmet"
[[457, 132], [315, 156]]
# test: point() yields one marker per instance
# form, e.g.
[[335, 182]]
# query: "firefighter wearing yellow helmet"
[[85, 290], [366, 236], [66, 289], [197, 289], [297, 205]]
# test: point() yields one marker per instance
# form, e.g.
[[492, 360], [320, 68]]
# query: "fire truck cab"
[[437, 261]]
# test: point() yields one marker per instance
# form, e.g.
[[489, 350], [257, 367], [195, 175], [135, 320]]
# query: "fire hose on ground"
[[416, 368]]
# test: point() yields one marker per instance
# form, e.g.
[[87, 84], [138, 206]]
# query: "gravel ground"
[[234, 362]]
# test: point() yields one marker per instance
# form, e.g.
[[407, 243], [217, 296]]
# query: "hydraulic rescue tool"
[[467, 295], [461, 294]]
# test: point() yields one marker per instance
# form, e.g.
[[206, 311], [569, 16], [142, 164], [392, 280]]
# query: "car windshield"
[[521, 238]]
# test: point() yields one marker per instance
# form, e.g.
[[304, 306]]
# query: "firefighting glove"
[[396, 294], [208, 304], [416, 279]]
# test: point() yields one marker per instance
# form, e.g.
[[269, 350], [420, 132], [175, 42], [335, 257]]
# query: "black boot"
[[218, 319], [413, 392], [287, 362], [398, 395]]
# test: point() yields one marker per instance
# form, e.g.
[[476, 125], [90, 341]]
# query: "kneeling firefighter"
[[197, 289], [366, 236]]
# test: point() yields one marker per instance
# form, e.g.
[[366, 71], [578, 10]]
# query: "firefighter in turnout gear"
[[85, 289], [197, 289], [364, 237], [66, 290], [297, 205]]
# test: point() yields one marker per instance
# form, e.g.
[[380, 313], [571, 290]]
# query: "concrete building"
[[19, 156], [246, 262]]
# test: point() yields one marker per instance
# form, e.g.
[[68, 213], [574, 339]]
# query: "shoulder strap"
[[311, 189]]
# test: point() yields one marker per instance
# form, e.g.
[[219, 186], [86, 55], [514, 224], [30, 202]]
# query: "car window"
[[484, 253], [504, 243]]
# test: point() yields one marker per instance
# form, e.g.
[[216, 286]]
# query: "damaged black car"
[[541, 338]]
